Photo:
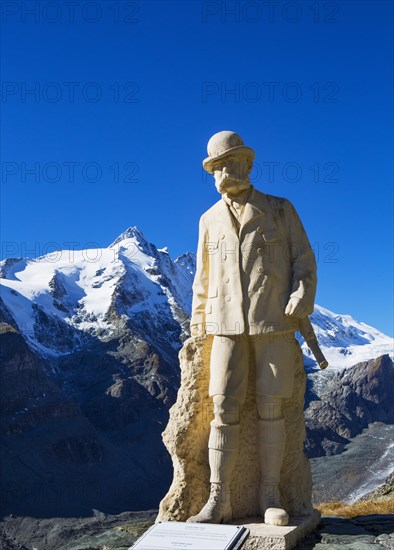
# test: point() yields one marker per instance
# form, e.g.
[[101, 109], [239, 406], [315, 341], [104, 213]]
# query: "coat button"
[[259, 229], [227, 280], [260, 269], [222, 236], [224, 257], [227, 298], [260, 250], [261, 289]]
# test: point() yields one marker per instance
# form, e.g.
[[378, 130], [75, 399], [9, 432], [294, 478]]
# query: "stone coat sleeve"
[[304, 277], [201, 281]]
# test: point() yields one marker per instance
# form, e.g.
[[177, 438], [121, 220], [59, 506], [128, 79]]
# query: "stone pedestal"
[[271, 537], [186, 438]]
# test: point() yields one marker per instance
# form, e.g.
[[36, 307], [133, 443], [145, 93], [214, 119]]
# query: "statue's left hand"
[[296, 308]]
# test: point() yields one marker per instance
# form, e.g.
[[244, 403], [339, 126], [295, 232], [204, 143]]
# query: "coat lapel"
[[222, 216], [253, 208], [256, 206]]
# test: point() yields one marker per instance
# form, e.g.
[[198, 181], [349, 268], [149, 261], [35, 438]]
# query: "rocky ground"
[[112, 532], [359, 533], [103, 532]]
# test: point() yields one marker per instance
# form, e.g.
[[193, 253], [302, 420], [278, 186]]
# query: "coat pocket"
[[271, 235]]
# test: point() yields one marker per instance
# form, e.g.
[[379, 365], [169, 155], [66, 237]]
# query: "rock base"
[[187, 433], [272, 537]]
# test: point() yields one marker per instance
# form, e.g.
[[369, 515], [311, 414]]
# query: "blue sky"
[[127, 94]]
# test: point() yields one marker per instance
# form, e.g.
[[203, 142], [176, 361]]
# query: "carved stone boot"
[[271, 442], [218, 507], [222, 449]]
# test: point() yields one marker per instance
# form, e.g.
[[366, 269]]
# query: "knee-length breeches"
[[275, 356]]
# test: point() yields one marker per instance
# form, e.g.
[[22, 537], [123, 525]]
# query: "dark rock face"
[[28, 396], [353, 399], [78, 433]]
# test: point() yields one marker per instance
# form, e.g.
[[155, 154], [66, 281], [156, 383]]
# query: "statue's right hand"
[[296, 308]]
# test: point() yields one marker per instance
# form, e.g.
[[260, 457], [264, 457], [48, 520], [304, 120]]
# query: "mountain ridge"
[[81, 292]]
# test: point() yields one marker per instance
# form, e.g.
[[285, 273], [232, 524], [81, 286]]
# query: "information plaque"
[[171, 535]]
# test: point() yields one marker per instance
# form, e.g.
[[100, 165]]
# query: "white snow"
[[345, 341]]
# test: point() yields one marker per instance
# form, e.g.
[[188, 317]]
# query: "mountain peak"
[[132, 232], [188, 261]]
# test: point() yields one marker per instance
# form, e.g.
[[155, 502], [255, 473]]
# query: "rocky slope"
[[349, 401], [354, 473], [65, 453], [383, 492]]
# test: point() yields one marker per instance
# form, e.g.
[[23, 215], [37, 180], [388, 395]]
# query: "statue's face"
[[231, 175]]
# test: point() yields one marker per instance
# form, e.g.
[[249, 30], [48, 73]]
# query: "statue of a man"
[[255, 280]]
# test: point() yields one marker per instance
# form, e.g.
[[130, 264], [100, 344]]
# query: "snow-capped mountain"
[[88, 293], [90, 343], [345, 341]]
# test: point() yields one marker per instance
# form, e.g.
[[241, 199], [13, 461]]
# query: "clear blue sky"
[[127, 95]]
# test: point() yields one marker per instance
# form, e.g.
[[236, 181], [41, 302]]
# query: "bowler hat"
[[222, 144]]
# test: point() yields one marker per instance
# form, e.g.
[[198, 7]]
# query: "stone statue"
[[255, 284]]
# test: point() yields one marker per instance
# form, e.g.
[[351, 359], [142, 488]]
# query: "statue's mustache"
[[229, 180]]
